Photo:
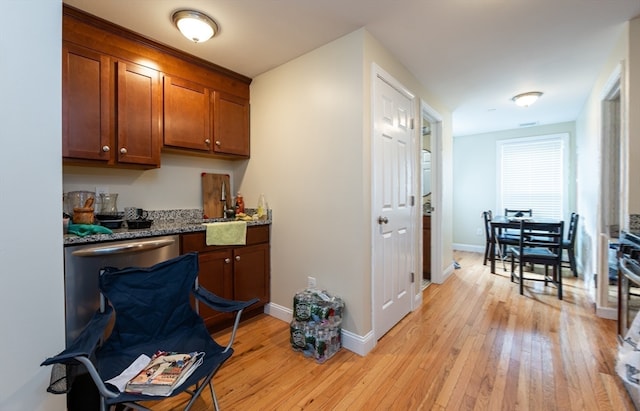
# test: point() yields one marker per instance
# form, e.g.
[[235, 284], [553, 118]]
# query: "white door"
[[393, 248]]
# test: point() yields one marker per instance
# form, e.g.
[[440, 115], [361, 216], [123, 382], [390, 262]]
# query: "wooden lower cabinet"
[[234, 272], [251, 273], [426, 247], [216, 275]]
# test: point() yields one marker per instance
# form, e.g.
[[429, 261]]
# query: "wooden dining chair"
[[510, 212], [487, 216], [568, 245], [539, 244], [502, 240]]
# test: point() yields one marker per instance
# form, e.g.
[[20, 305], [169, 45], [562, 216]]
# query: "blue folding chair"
[[153, 312]]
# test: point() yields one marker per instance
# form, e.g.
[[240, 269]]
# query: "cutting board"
[[213, 205]]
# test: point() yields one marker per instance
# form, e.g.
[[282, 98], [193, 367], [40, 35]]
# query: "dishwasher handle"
[[123, 248]]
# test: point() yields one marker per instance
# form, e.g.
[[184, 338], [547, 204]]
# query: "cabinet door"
[[216, 272], [426, 248], [187, 115], [86, 104], [251, 273], [231, 124], [138, 115]]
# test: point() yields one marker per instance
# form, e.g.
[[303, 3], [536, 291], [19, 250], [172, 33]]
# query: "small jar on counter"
[[83, 215], [239, 204]]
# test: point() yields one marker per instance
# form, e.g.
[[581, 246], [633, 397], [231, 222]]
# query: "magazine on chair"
[[164, 372]]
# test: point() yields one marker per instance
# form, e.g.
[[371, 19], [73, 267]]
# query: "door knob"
[[382, 220]]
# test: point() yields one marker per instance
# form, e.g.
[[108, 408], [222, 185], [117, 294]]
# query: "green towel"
[[82, 230], [227, 233]]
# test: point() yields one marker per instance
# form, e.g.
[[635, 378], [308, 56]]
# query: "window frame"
[[564, 170]]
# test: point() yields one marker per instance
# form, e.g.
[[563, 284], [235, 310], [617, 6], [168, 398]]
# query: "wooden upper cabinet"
[[230, 124], [118, 111], [86, 104], [110, 110], [196, 116], [187, 115], [138, 115]]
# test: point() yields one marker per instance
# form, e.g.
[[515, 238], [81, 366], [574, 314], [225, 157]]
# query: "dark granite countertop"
[[164, 223]]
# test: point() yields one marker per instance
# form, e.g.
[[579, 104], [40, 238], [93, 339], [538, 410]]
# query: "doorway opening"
[[613, 192], [425, 161], [431, 218]]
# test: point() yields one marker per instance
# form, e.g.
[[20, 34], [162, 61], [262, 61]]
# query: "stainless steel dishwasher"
[[82, 264]]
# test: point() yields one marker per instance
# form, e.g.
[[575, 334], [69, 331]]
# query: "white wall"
[[31, 296], [177, 184], [310, 156], [633, 84], [306, 144], [475, 177], [589, 162], [310, 132], [376, 53]]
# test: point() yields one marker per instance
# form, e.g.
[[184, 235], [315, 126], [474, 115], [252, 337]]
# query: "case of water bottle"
[[316, 325]]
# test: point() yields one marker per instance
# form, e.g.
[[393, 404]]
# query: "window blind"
[[532, 175]]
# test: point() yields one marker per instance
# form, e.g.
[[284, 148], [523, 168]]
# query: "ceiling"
[[472, 55]]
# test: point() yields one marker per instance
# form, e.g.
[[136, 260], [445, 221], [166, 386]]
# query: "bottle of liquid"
[[239, 204], [262, 208]]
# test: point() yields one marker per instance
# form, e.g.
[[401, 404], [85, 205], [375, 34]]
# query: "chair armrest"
[[80, 352], [85, 344], [220, 304], [224, 305]]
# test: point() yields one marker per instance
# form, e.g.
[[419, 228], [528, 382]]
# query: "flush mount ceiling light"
[[194, 25], [526, 99]]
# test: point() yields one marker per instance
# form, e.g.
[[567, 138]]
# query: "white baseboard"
[[468, 247], [281, 313], [360, 345], [447, 272], [607, 312]]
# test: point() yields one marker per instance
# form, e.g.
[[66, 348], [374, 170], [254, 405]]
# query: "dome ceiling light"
[[526, 99], [194, 25]]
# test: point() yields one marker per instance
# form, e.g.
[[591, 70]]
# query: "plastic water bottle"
[[262, 208]]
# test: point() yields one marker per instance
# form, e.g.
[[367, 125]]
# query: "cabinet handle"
[[123, 150], [218, 143], [106, 149], [237, 258], [207, 141], [227, 260]]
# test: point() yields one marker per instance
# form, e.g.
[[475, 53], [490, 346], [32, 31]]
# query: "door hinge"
[[412, 200], [412, 124], [413, 277]]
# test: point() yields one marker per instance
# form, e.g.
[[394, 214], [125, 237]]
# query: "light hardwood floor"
[[474, 344]]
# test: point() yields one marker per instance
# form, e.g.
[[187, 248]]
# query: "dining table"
[[499, 223]]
